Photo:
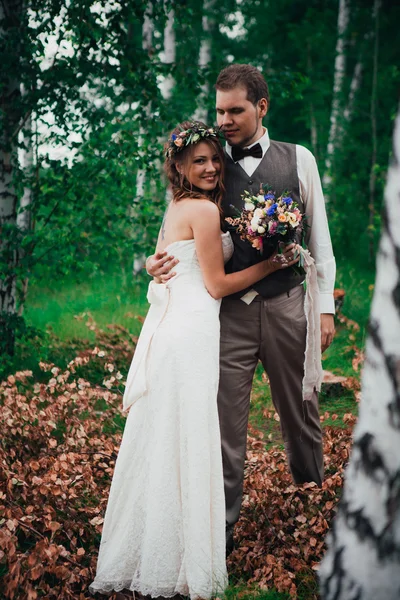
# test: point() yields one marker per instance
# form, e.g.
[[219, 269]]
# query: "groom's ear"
[[263, 107]]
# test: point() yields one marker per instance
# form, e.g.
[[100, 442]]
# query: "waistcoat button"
[[250, 181]]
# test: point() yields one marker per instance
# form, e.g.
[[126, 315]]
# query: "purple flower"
[[287, 200], [269, 196], [272, 209], [173, 137]]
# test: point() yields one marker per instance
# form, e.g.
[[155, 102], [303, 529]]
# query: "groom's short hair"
[[245, 76]]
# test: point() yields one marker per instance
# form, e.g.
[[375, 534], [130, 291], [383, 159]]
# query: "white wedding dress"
[[164, 528]]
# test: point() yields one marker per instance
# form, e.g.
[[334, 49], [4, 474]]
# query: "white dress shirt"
[[318, 239]]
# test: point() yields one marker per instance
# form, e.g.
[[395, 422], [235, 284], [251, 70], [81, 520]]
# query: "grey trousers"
[[274, 332]]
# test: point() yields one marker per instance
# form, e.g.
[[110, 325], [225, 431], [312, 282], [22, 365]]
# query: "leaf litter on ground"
[[60, 440]]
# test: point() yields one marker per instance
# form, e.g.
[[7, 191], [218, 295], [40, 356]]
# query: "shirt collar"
[[264, 142]]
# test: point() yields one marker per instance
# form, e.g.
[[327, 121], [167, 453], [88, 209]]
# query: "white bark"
[[26, 164], [363, 557], [147, 41], [166, 85], [8, 198], [374, 137], [168, 55], [205, 58], [354, 87], [147, 30], [340, 68], [8, 215]]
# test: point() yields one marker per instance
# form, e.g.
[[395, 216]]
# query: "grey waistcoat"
[[277, 169]]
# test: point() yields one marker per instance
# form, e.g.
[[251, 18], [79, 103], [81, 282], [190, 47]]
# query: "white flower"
[[258, 212], [260, 198], [249, 206], [254, 223], [261, 229]]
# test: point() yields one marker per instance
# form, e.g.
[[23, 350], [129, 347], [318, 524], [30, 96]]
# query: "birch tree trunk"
[[24, 219], [201, 113], [10, 11], [354, 87], [340, 68], [147, 37], [168, 55], [374, 140], [363, 557], [147, 42]]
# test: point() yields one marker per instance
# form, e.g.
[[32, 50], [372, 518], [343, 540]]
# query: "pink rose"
[[257, 243], [272, 227]]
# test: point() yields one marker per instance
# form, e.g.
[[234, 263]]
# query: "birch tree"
[[147, 34], [208, 24], [339, 74], [10, 21], [363, 557], [147, 43], [373, 119], [168, 55], [26, 162]]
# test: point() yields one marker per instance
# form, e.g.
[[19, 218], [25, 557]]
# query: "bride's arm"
[[205, 223]]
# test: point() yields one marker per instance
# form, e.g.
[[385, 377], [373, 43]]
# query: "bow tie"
[[238, 153]]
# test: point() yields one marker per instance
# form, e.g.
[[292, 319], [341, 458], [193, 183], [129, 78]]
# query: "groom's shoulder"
[[281, 144], [301, 151], [304, 155], [283, 148]]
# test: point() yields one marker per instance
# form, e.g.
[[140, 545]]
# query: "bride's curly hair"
[[181, 186]]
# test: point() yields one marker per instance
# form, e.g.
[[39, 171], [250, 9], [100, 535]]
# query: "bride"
[[164, 528]]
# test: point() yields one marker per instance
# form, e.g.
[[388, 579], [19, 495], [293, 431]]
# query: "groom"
[[266, 322]]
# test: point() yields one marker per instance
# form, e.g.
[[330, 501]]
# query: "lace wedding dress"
[[164, 528]]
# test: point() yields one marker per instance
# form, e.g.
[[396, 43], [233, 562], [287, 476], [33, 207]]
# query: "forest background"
[[89, 91]]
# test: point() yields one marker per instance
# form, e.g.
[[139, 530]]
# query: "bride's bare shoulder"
[[202, 206]]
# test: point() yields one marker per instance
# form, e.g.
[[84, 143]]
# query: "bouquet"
[[266, 220]]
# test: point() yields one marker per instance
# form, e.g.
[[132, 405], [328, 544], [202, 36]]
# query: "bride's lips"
[[209, 177]]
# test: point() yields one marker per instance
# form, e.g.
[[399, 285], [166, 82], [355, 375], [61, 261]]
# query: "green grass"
[[358, 284], [240, 592], [116, 298]]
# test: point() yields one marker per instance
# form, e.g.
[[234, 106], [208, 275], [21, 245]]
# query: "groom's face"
[[240, 119]]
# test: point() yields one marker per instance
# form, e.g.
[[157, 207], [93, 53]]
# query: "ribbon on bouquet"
[[136, 383], [313, 373]]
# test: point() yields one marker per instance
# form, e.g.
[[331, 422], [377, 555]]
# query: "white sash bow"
[[136, 383]]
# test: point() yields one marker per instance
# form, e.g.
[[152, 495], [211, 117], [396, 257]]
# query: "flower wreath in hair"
[[194, 134]]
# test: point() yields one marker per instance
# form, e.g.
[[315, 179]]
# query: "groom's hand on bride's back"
[[160, 266]]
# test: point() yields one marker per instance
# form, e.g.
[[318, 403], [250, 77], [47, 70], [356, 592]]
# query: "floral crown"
[[194, 134]]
